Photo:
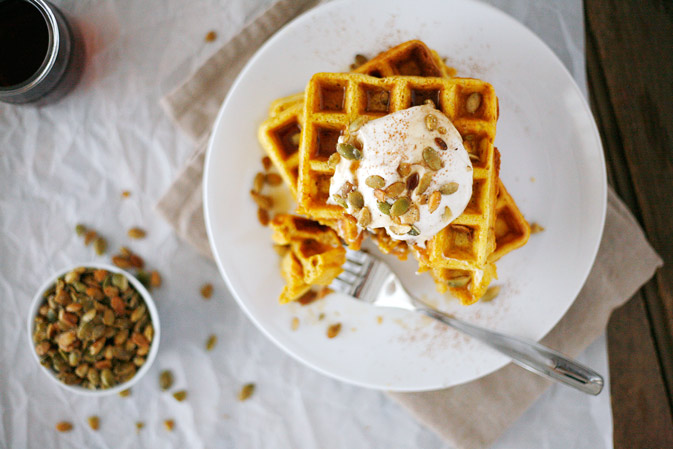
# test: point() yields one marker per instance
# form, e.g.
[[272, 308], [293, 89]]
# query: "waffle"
[[313, 254], [278, 133]]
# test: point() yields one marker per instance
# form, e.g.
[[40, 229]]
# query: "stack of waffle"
[[301, 134]]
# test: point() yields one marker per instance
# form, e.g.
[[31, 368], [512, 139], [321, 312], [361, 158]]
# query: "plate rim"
[[602, 195]]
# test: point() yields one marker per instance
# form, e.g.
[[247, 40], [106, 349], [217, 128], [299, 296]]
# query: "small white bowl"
[[151, 307]]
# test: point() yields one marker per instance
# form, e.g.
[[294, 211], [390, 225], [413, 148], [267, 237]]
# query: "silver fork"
[[371, 280]]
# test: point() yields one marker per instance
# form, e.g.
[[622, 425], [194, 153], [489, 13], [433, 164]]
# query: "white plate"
[[552, 164]]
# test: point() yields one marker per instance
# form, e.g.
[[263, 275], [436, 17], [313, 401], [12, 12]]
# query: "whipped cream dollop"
[[407, 172]]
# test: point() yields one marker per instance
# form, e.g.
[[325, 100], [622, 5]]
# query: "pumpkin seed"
[[356, 200], [399, 207], [120, 281], [400, 229], [412, 182], [384, 207], [431, 122], [274, 179], [334, 160], [207, 291], [535, 228], [137, 233], [210, 343], [100, 246], [432, 159], [169, 424], [139, 426], [440, 143], [349, 152], [441, 130], [424, 183], [258, 182], [94, 422], [93, 376], [395, 189], [125, 393], [340, 200], [404, 169], [82, 370], [180, 395], [380, 195], [64, 426], [459, 281], [246, 392], [333, 330], [491, 293], [165, 380], [80, 229], [448, 189], [89, 236], [375, 181], [473, 102], [414, 231], [263, 201], [411, 216], [365, 218], [357, 123], [434, 200], [446, 216]]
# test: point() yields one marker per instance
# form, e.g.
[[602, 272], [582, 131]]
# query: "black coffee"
[[24, 41]]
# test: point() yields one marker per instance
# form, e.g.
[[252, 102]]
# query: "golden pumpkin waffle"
[[411, 58], [511, 228], [334, 100], [313, 254]]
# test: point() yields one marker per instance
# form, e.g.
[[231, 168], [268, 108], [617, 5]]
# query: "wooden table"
[[629, 49]]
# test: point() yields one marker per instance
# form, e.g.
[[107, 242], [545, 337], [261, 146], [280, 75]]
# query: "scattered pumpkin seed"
[[395, 189], [94, 422], [180, 395], [412, 182], [440, 143], [535, 228], [473, 102], [169, 424], [384, 207], [334, 160], [473, 157], [399, 207], [136, 233], [89, 236], [491, 293], [155, 279], [273, 179], [411, 216], [375, 181], [449, 188], [356, 200], [446, 216], [431, 122], [210, 343], [357, 123], [380, 195], [263, 201], [246, 392], [340, 200], [432, 159], [64, 426], [258, 182], [333, 330], [210, 36], [126, 194], [80, 229], [349, 152], [207, 291], [263, 216], [365, 217], [414, 231], [267, 163], [459, 281], [434, 200], [441, 130], [424, 183], [400, 229], [404, 169], [125, 393], [165, 380]]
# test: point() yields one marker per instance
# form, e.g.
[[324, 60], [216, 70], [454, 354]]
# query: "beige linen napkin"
[[497, 399]]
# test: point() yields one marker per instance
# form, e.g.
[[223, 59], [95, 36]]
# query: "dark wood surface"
[[629, 49]]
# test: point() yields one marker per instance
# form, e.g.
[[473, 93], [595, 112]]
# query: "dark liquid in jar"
[[24, 40]]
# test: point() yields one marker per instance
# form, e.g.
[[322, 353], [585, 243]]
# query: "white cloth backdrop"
[[69, 162]]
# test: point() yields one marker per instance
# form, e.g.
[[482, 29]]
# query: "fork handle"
[[526, 353]]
